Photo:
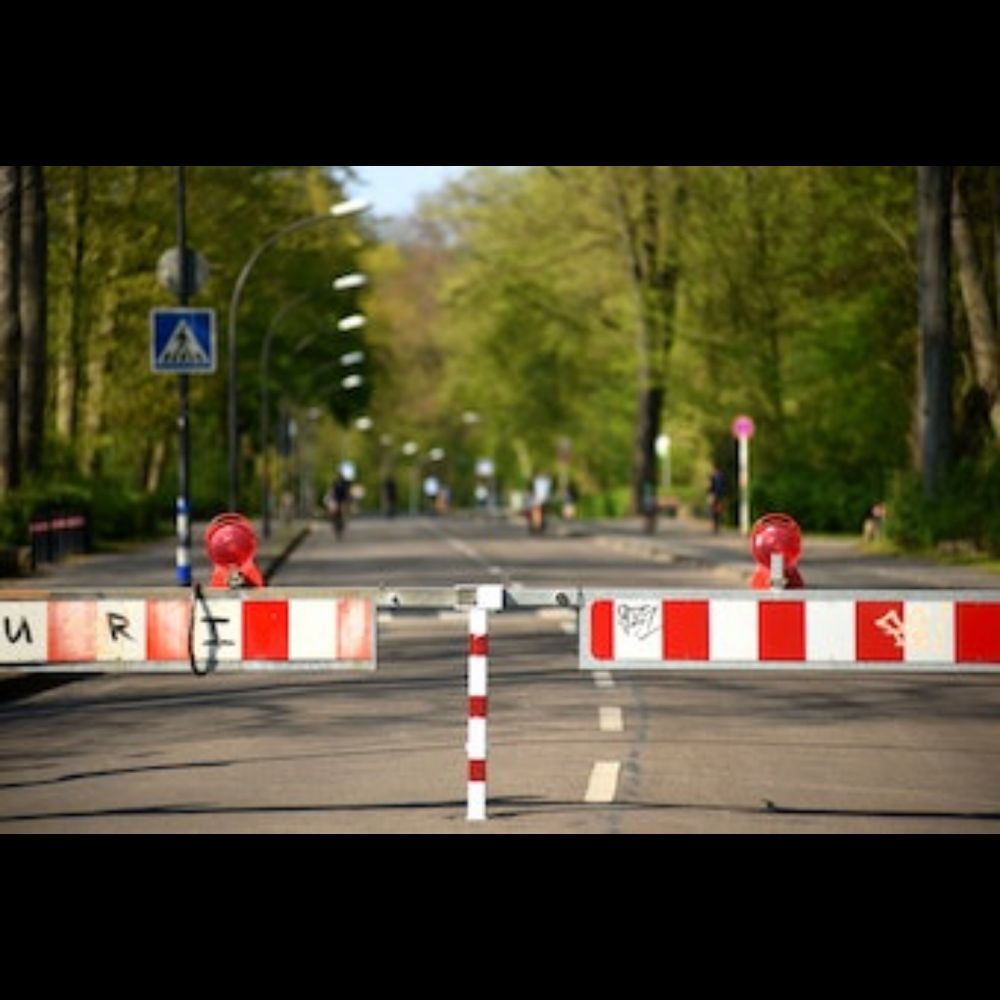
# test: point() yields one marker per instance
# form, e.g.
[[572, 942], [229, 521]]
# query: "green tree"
[[10, 324]]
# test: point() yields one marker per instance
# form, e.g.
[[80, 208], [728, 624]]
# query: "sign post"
[[743, 431], [182, 344]]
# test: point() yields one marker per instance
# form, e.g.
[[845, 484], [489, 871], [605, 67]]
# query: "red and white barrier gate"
[[287, 630], [837, 630], [158, 631]]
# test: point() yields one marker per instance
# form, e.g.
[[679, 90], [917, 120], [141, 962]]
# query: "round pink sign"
[[743, 427]]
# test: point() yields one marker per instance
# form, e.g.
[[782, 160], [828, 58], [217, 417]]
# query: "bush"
[[118, 514], [112, 514], [966, 509], [819, 499], [615, 502], [19, 507]]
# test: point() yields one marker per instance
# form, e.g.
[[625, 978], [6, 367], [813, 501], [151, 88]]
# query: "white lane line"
[[603, 679], [611, 720], [603, 782], [470, 553]]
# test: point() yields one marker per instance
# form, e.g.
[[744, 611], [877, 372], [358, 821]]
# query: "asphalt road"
[[570, 752]]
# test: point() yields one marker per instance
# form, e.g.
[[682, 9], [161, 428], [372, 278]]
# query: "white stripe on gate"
[[25, 635], [218, 630], [121, 631], [733, 630], [929, 629], [312, 629], [830, 631], [638, 630]]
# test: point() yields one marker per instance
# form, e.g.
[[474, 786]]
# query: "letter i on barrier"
[[476, 744]]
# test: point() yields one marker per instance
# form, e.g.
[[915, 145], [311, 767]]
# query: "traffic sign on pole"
[[182, 341]]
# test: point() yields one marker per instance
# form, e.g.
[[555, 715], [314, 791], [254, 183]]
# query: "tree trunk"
[[93, 407], [10, 324], [995, 192], [653, 268], [71, 347], [155, 461], [935, 407], [982, 325], [34, 257], [644, 463]]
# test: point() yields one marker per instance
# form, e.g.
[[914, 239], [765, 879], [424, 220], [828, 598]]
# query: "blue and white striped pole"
[[183, 565], [183, 543]]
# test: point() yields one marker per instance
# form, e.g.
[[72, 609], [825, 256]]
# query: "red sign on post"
[[743, 427]]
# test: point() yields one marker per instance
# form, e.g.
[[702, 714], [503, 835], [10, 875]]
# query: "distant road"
[[569, 752]]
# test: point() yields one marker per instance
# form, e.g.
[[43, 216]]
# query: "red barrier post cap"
[[776, 534], [231, 544]]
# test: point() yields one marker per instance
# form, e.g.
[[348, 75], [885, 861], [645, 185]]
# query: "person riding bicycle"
[[338, 498]]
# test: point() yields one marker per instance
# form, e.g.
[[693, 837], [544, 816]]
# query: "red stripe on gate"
[[602, 630], [880, 630], [478, 707], [477, 770], [265, 630], [782, 630], [685, 630], [72, 631], [977, 632], [479, 645], [354, 629], [168, 624]]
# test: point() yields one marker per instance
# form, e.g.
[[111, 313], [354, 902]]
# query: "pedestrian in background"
[[716, 497]]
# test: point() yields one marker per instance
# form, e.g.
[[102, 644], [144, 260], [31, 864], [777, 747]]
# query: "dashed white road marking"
[[603, 782], [611, 720], [603, 679]]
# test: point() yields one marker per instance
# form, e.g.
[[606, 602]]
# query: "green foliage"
[[112, 513], [110, 419], [540, 299], [19, 507], [965, 511], [820, 499], [795, 302]]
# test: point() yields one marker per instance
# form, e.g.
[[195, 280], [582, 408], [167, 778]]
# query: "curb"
[[275, 562], [737, 572]]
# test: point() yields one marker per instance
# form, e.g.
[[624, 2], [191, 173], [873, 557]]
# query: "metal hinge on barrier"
[[458, 598], [491, 597]]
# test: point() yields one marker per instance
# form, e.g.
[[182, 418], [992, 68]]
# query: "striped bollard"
[[182, 564], [476, 743]]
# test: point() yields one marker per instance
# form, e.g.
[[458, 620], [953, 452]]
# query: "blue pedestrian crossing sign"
[[183, 341]]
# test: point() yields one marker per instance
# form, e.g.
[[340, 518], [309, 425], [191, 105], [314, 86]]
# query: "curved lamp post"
[[340, 284], [339, 211], [265, 432]]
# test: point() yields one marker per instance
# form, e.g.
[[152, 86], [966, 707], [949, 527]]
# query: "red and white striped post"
[[476, 743], [488, 598]]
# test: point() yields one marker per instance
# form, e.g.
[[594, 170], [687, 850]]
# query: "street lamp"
[[347, 281], [410, 449], [353, 322], [341, 210]]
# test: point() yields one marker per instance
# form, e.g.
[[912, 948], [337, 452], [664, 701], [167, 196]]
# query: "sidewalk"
[[835, 563], [152, 564]]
